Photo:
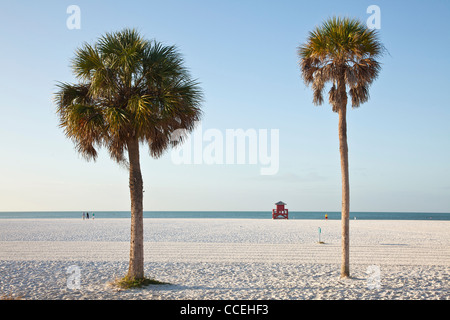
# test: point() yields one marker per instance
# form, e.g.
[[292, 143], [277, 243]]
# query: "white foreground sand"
[[226, 259]]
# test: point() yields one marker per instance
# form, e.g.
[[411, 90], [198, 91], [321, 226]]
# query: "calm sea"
[[229, 215]]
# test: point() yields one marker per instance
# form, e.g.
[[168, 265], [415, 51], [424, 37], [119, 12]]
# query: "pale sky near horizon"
[[244, 55]]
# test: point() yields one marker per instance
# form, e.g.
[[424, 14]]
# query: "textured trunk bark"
[[343, 148], [136, 265]]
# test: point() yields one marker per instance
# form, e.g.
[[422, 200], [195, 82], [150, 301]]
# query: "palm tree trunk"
[[136, 265], [343, 148]]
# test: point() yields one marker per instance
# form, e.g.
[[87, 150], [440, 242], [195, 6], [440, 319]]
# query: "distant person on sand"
[[93, 216], [87, 215], [84, 215], [326, 216]]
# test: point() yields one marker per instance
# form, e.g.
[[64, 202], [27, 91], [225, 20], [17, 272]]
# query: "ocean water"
[[228, 214]]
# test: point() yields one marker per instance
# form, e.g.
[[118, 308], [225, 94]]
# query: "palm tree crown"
[[129, 88], [341, 51]]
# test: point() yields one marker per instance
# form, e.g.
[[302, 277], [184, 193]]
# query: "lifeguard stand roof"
[[279, 203]]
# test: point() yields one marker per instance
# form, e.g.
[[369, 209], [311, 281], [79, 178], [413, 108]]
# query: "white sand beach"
[[227, 259]]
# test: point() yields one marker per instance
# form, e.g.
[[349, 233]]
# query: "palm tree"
[[131, 91], [341, 52]]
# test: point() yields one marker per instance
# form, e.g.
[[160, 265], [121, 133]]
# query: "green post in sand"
[[320, 231]]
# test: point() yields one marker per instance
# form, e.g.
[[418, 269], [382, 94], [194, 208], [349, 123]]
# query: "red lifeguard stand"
[[280, 212]]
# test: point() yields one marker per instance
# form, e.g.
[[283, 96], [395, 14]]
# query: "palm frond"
[[86, 61]]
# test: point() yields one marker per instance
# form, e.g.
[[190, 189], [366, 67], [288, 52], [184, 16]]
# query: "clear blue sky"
[[244, 55]]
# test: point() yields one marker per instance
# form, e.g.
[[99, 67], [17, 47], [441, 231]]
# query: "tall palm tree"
[[131, 91], [342, 52]]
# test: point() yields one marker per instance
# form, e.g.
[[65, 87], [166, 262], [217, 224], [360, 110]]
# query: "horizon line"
[[318, 211]]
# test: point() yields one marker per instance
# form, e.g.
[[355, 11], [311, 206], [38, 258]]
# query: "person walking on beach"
[[84, 215], [326, 217], [87, 215], [93, 216]]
